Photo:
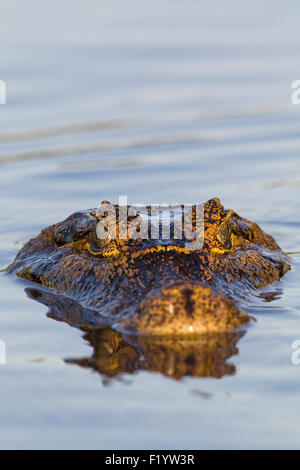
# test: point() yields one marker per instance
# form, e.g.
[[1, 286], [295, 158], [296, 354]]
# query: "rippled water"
[[167, 103]]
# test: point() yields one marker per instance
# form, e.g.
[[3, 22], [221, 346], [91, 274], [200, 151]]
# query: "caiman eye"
[[224, 235], [102, 241], [99, 238]]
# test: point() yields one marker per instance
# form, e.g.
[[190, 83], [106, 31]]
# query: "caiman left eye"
[[224, 235], [99, 237]]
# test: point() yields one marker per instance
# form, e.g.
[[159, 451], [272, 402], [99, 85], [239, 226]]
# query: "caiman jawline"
[[164, 249]]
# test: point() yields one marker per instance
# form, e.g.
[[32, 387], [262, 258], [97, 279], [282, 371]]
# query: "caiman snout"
[[183, 308]]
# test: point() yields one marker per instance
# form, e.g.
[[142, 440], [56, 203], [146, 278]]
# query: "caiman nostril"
[[182, 308]]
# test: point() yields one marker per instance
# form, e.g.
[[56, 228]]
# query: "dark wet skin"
[[170, 298]]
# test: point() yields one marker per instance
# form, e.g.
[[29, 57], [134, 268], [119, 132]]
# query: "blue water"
[[165, 102]]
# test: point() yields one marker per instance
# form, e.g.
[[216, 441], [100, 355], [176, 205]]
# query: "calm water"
[[168, 103]]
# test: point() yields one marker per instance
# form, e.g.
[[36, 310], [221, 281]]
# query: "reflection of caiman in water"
[[171, 309], [115, 353]]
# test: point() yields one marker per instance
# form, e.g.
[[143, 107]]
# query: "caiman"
[[156, 287], [152, 288]]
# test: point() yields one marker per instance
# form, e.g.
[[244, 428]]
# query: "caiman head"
[[155, 286]]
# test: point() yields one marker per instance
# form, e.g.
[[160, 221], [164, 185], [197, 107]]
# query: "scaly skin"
[[156, 288]]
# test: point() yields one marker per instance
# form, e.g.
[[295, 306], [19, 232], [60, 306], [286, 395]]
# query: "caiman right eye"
[[224, 235]]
